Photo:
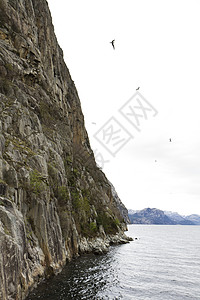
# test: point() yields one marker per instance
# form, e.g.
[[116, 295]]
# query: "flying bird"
[[137, 88], [170, 139], [113, 44]]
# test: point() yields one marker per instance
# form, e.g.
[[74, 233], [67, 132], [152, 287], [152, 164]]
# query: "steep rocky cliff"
[[122, 208], [55, 203]]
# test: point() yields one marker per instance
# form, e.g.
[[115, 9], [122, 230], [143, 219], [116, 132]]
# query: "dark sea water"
[[162, 264]]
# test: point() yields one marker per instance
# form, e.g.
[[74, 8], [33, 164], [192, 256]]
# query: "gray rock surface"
[[122, 208], [55, 203]]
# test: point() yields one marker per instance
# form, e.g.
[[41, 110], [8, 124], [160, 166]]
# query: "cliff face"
[[122, 208], [54, 201]]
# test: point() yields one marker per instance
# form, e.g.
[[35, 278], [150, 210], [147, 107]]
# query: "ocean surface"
[[163, 263]]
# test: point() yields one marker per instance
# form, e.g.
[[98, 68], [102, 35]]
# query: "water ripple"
[[163, 264]]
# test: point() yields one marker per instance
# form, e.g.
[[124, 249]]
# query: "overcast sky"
[[157, 48]]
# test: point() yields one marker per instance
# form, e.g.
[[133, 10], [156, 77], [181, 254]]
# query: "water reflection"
[[84, 278]]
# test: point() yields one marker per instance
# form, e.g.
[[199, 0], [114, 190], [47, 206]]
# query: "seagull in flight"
[[138, 89], [113, 44]]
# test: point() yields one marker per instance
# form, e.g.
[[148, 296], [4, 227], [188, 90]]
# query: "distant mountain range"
[[157, 216]]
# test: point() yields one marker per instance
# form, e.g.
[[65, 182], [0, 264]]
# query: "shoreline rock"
[[100, 245]]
